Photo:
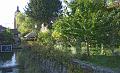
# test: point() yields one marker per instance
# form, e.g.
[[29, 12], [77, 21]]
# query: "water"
[[8, 61]]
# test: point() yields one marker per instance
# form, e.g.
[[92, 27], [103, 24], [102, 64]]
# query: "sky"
[[7, 10]]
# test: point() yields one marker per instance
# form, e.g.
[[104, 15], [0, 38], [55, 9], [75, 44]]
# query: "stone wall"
[[51, 67]]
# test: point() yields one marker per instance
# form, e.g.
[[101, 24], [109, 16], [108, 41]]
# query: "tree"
[[107, 29], [25, 24], [6, 37], [81, 23], [43, 10]]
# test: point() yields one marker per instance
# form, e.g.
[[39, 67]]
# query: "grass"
[[106, 61]]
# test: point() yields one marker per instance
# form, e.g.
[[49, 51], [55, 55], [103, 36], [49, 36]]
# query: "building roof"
[[2, 28], [31, 35]]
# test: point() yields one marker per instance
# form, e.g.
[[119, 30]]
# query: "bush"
[[45, 39], [30, 58]]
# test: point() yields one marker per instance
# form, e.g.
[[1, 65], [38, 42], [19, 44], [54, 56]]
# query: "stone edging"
[[91, 68]]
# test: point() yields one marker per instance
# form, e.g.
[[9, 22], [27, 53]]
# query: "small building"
[[2, 28], [30, 36], [5, 48], [15, 39]]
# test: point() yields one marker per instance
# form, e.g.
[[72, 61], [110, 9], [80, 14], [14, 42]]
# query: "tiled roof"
[[30, 35]]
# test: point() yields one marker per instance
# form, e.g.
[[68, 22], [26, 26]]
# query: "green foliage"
[[56, 33], [92, 23], [89, 22], [86, 5], [5, 57], [80, 24], [25, 24], [107, 28], [106, 61], [7, 37], [45, 39], [32, 57], [43, 10]]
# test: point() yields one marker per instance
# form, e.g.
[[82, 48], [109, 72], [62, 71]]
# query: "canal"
[[8, 63]]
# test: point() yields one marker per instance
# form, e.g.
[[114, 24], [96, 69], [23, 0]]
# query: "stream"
[[8, 63]]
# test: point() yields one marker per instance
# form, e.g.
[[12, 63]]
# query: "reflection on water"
[[5, 56], [8, 60]]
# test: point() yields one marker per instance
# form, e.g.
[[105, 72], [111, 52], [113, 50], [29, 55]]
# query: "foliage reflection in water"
[[8, 61]]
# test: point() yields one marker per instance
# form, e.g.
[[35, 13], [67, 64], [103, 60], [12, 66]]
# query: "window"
[[6, 48]]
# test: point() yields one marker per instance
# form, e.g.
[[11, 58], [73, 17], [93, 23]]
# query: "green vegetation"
[[90, 32], [90, 24], [106, 61], [31, 59], [24, 23], [43, 10], [5, 57], [6, 37]]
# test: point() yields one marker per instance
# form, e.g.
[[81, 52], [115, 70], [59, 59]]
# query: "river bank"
[[39, 59]]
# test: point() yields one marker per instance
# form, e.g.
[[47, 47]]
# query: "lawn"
[[106, 61]]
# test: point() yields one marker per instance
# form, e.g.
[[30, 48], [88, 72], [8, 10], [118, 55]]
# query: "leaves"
[[43, 10], [25, 24], [7, 37]]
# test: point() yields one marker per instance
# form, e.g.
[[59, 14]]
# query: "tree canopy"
[[43, 10], [6, 37], [25, 24], [90, 22]]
